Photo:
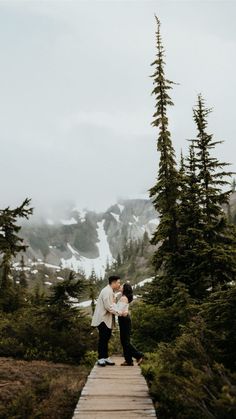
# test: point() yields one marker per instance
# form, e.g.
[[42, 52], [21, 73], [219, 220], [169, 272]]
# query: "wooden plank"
[[115, 392]]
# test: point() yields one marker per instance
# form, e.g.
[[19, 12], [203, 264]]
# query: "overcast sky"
[[75, 93]]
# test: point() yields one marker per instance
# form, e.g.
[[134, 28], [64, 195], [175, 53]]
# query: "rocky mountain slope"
[[87, 240]]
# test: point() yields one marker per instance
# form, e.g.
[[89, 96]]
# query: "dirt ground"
[[39, 389]]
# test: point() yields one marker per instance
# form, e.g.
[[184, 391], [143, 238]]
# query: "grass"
[[39, 389]]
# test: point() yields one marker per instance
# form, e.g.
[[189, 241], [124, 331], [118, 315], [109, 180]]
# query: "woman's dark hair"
[[128, 291]]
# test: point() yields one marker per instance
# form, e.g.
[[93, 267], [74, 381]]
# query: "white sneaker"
[[101, 362]]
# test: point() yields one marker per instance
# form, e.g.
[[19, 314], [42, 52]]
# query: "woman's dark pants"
[[125, 331]]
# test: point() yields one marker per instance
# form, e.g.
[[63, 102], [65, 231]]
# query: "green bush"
[[90, 358], [152, 324], [28, 335], [186, 383], [219, 314]]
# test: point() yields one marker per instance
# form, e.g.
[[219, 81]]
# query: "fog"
[[75, 94]]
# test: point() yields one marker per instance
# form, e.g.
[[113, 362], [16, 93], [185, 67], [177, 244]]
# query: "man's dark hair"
[[113, 278]]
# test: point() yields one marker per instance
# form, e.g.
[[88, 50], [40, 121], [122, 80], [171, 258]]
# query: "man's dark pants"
[[104, 337]]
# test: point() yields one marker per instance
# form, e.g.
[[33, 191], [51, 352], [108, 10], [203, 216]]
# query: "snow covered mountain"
[[85, 240]]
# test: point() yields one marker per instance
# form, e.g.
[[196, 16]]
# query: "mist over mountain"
[[84, 240]]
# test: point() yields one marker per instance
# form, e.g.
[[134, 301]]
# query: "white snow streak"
[[86, 265], [48, 265], [69, 222], [73, 251], [116, 216], [143, 282], [84, 304]]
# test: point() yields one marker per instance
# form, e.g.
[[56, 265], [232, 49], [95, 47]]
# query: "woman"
[[122, 306]]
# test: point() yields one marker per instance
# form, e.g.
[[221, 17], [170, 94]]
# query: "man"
[[104, 319]]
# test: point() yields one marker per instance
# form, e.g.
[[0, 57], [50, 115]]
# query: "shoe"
[[101, 363], [140, 360], [108, 361], [127, 364]]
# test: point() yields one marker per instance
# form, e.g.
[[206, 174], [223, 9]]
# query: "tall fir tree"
[[164, 193], [219, 234], [190, 269]]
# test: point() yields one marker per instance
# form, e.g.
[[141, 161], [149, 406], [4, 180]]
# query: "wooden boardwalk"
[[115, 392]]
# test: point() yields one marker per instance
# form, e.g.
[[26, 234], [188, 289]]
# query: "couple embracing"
[[104, 320]]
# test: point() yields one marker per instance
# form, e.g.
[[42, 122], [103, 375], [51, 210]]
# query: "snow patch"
[[69, 222], [154, 221], [48, 265], [116, 216], [84, 304], [136, 218], [2, 232], [143, 282], [86, 265], [73, 251]]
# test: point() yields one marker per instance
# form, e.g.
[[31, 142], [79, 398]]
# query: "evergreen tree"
[[220, 236], [118, 260], [23, 280], [165, 192], [190, 266], [61, 311], [10, 245], [144, 243], [37, 297], [93, 289], [10, 242]]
